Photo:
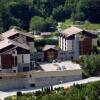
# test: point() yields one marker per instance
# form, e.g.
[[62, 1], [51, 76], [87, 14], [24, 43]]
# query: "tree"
[[21, 11], [79, 16], [58, 13], [91, 65], [37, 24], [50, 24], [91, 9]]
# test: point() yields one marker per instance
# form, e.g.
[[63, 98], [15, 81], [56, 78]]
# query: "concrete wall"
[[68, 45], [19, 59], [54, 77], [37, 55], [76, 47], [55, 73], [65, 55], [26, 58], [47, 81], [40, 79], [94, 42], [13, 83], [31, 44]]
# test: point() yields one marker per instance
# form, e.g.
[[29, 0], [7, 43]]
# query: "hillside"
[[43, 15], [84, 25]]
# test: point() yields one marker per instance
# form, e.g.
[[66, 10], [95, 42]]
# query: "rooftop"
[[7, 42], [46, 47], [66, 65], [14, 31], [74, 30], [71, 31]]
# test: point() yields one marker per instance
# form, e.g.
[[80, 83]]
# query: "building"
[[15, 63], [14, 56], [77, 41], [15, 51], [19, 36], [45, 34], [50, 52]]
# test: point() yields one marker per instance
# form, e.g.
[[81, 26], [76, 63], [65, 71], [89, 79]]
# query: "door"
[[6, 61]]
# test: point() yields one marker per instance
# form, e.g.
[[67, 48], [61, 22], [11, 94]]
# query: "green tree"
[[50, 24], [91, 9], [58, 13], [37, 24]]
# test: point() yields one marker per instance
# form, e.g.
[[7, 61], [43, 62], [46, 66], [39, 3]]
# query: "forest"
[[43, 15]]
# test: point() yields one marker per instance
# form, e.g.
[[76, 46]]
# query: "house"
[[50, 52], [77, 41], [19, 36], [16, 48], [45, 34], [14, 56]]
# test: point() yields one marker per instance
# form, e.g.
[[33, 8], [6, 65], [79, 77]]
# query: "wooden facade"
[[6, 61], [86, 46], [50, 54]]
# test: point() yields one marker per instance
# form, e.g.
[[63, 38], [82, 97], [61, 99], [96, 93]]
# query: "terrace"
[[60, 66]]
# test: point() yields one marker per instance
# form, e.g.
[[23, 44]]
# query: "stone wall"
[[41, 79], [13, 83]]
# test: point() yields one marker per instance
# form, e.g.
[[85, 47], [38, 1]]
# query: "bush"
[[19, 93]]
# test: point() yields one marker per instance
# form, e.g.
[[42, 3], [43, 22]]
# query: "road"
[[65, 85]]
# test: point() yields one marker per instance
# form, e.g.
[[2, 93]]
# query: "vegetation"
[[40, 24], [81, 24], [90, 65], [89, 91], [22, 13]]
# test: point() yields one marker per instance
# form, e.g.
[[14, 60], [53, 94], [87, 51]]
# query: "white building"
[[77, 41]]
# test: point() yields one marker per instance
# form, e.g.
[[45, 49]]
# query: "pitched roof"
[[47, 47], [14, 31], [71, 31], [7, 42], [74, 30]]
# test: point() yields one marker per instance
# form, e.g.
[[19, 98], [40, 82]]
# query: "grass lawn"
[[86, 25]]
